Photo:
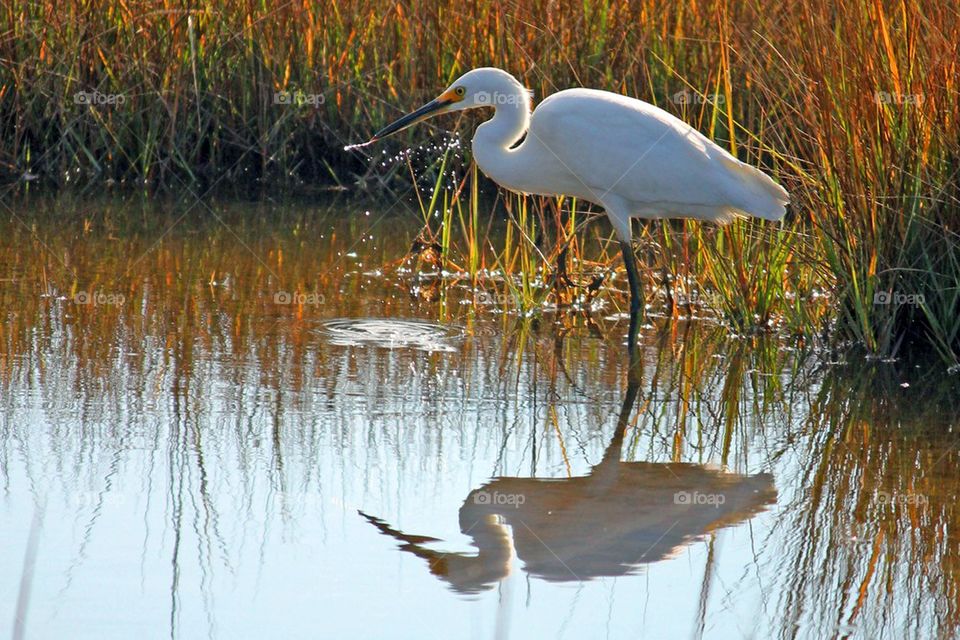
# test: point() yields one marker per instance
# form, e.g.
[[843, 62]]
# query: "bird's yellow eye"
[[460, 91]]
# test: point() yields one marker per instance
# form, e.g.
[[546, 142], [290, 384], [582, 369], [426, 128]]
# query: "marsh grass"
[[853, 106]]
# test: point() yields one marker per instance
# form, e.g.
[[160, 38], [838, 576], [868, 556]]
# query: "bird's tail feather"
[[757, 194]]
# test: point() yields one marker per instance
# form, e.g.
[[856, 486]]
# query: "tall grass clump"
[[852, 105]]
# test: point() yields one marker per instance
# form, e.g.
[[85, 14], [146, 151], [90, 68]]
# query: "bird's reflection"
[[618, 517]]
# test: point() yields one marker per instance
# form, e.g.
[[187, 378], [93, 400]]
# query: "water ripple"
[[392, 334]]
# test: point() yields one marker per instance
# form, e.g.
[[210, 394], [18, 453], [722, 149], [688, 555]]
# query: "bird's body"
[[626, 155], [630, 157]]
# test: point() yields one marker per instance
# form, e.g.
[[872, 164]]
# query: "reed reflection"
[[186, 432], [618, 517]]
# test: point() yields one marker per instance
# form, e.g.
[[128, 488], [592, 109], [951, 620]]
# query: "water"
[[230, 423], [392, 334], [360, 145]]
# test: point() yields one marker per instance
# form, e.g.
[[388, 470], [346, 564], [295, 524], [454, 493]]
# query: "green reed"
[[853, 107]]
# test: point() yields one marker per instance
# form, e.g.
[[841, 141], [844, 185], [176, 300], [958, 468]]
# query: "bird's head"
[[486, 87]]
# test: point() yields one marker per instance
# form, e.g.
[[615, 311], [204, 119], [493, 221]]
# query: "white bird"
[[625, 155]]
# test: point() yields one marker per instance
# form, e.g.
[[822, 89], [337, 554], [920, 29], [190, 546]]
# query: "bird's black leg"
[[636, 294]]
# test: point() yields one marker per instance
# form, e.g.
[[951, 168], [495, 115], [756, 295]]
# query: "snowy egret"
[[625, 155]]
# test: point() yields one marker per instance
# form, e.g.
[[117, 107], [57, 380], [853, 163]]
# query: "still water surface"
[[240, 421]]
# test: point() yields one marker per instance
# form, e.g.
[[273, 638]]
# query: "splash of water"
[[351, 147], [392, 334]]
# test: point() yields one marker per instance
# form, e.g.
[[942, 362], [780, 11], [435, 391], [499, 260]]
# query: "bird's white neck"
[[494, 139]]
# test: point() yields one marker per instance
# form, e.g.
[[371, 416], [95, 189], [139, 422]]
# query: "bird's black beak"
[[431, 108]]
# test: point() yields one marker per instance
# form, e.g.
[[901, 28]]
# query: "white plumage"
[[658, 164], [630, 157]]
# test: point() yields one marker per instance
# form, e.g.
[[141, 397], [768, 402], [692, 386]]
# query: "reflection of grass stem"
[[26, 577]]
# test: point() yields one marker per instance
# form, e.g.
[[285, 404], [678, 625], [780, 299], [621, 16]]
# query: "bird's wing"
[[647, 157]]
